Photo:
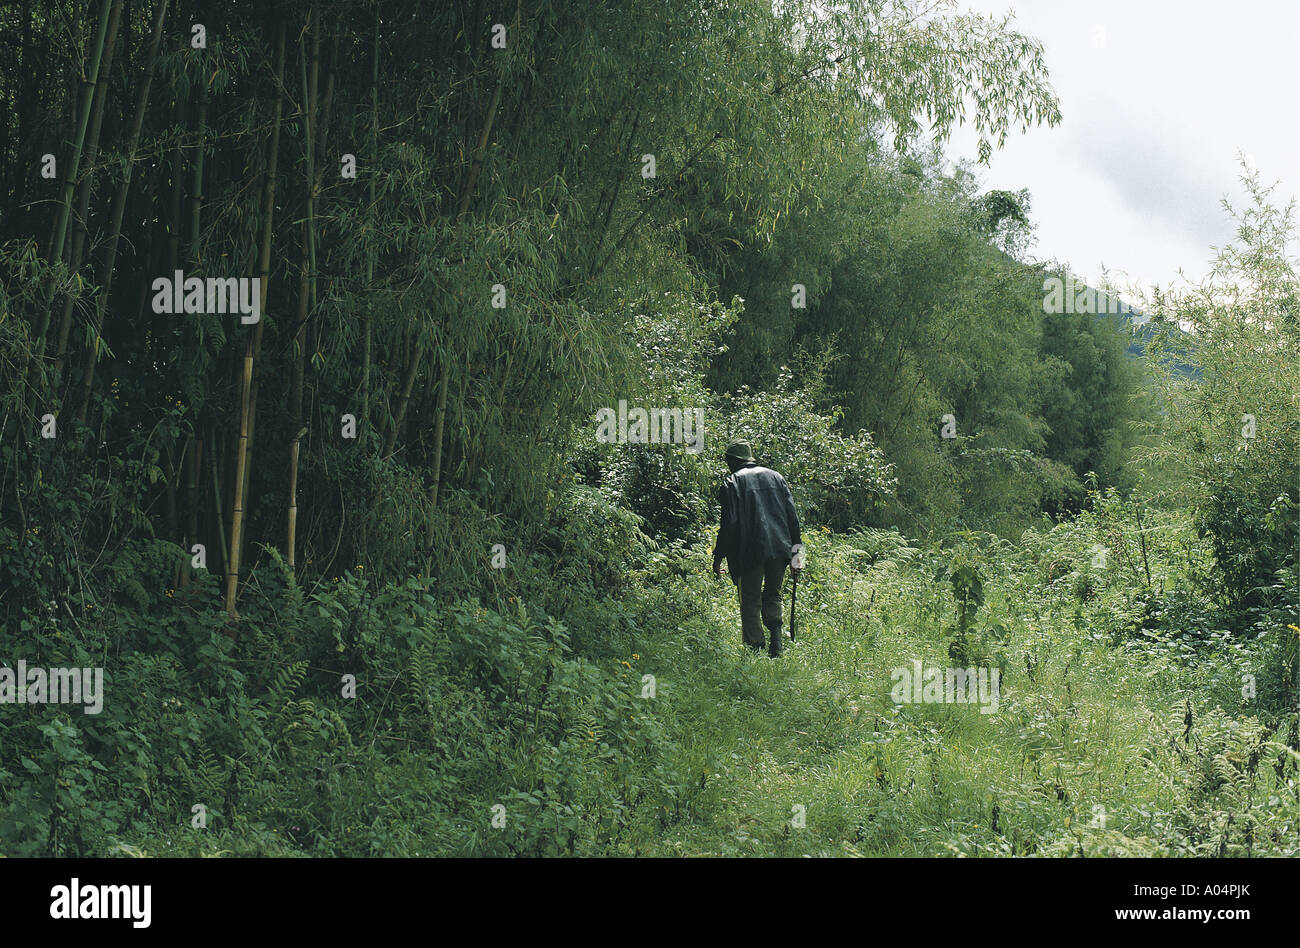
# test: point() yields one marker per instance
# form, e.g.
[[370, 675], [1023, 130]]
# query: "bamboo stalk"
[[26, 116], [370, 258], [237, 512], [264, 275], [293, 497], [439, 418], [1142, 541], [196, 196], [169, 499], [195, 457], [70, 182], [254, 346], [462, 206], [196, 218], [119, 208], [216, 500], [417, 353], [80, 223], [306, 294], [304, 283], [174, 209]]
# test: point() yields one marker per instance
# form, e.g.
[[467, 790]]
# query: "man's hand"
[[717, 568]]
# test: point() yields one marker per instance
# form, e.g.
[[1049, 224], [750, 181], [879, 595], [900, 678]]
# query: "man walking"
[[757, 536]]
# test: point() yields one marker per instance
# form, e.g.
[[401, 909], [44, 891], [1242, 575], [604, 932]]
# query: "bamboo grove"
[[309, 310], [385, 173]]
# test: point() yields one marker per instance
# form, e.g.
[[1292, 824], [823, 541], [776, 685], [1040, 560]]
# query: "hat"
[[740, 451]]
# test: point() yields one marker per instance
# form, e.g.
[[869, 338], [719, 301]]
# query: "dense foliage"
[[362, 571]]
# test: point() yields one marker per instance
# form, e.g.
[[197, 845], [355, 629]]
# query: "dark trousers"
[[760, 601]]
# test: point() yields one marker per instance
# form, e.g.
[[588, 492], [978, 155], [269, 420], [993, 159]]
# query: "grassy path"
[[1089, 750]]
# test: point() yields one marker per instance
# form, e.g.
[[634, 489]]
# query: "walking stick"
[[794, 588]]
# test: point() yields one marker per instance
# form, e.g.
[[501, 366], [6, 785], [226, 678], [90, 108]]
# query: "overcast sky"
[[1156, 96]]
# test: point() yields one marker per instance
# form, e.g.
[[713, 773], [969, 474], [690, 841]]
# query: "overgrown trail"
[[639, 724], [1089, 748]]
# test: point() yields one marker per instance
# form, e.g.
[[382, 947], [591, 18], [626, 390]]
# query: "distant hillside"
[[1077, 297], [1143, 330]]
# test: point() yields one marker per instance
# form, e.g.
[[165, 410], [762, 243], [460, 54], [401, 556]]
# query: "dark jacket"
[[759, 522]]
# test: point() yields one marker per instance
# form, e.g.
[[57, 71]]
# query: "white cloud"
[[1152, 120]]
